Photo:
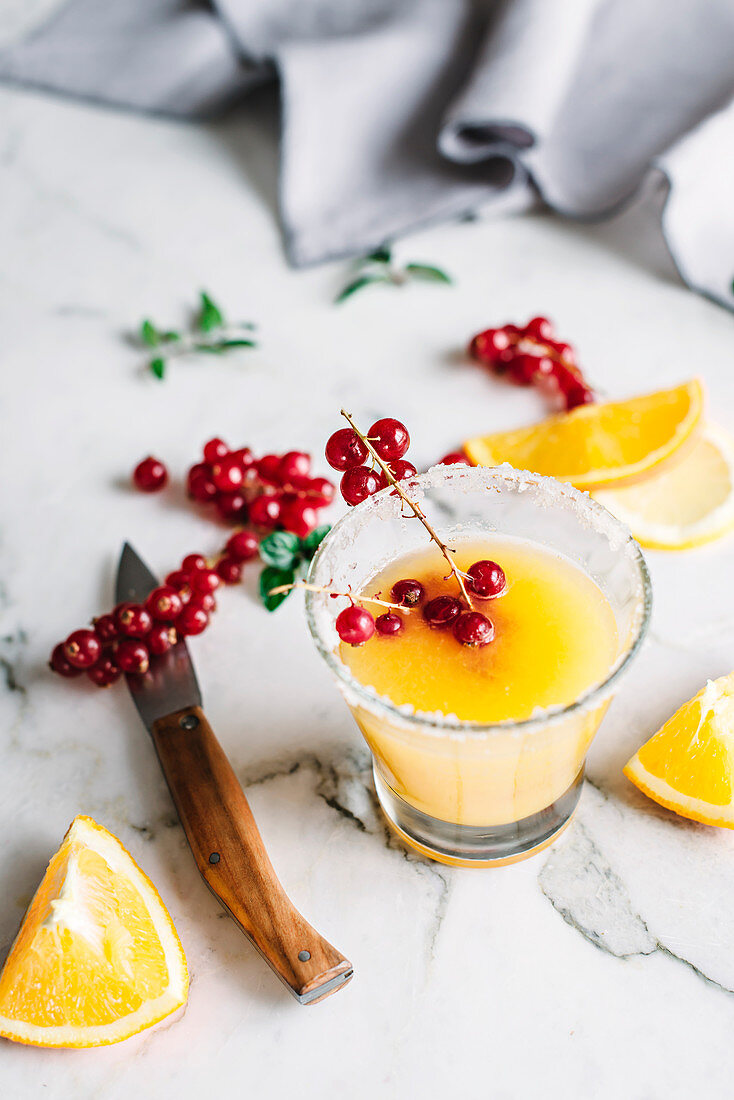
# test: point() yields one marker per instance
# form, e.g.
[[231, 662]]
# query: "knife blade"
[[216, 816]]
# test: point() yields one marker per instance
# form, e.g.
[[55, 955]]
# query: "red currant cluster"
[[269, 492], [485, 579], [346, 451], [531, 356], [126, 638]]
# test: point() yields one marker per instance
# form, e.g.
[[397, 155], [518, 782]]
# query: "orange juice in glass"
[[478, 752]]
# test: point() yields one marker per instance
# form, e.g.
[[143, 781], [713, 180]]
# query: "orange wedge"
[[97, 958], [599, 445], [688, 765], [688, 502]]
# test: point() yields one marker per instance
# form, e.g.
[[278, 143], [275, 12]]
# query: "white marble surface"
[[603, 969]]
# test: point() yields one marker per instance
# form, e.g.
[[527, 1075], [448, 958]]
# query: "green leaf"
[[171, 336], [158, 368], [357, 284], [381, 255], [149, 334], [311, 543], [210, 316], [237, 344], [428, 273], [210, 349], [271, 577], [281, 549]]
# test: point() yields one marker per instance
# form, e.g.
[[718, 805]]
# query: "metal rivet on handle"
[[214, 857], [188, 722], [304, 956]]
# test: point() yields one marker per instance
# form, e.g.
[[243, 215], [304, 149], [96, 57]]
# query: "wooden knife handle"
[[231, 857]]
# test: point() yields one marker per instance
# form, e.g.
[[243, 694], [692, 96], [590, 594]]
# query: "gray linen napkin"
[[400, 112]]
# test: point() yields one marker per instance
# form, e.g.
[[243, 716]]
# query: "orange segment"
[[689, 501], [688, 765], [603, 444], [97, 958]]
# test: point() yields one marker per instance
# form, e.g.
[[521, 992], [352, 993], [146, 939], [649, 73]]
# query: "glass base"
[[477, 845]]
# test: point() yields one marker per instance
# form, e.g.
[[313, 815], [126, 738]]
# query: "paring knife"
[[216, 817]]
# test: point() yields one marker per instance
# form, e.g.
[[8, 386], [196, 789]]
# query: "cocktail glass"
[[462, 792]]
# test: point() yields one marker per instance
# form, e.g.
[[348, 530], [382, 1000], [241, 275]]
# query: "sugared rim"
[[562, 494]]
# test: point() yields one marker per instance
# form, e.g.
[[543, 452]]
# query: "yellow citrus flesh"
[[688, 765], [97, 958], [596, 445], [690, 501]]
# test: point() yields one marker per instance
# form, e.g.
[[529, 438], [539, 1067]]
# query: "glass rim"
[[436, 723]]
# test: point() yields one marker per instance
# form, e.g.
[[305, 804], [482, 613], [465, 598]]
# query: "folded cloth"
[[396, 113]]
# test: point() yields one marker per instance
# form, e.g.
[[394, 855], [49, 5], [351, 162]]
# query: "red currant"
[[192, 562], [358, 483], [61, 665], [580, 394], [402, 469], [181, 581], [455, 458], [354, 625], [245, 457], [390, 438], [265, 511], [82, 649], [204, 580], [293, 464], [164, 604], [192, 620], [487, 579], [161, 638], [199, 484], [299, 517], [320, 492], [540, 328], [214, 450], [205, 600], [150, 475], [268, 469], [487, 346], [442, 611], [229, 570], [563, 351], [232, 507], [345, 450], [105, 629], [132, 620], [228, 474], [388, 624], [131, 655], [408, 593], [104, 673], [242, 546], [473, 629], [523, 369]]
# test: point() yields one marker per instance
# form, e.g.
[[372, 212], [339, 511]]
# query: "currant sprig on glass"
[[386, 442], [209, 334], [379, 268], [532, 356]]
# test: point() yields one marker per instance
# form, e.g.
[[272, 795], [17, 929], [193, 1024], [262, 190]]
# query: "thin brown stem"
[[415, 508], [331, 592]]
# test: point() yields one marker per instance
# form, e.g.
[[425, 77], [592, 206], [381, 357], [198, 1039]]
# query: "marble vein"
[[587, 893]]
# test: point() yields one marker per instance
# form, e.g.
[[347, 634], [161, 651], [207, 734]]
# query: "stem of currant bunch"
[[331, 592], [415, 508]]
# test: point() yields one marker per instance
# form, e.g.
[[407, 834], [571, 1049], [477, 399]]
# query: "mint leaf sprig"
[[209, 333], [286, 558], [378, 267]]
